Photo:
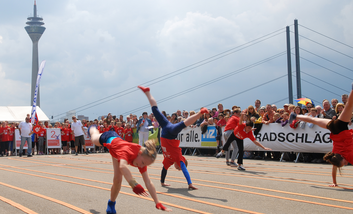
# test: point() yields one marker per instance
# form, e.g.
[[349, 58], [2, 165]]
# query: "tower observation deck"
[[35, 30]]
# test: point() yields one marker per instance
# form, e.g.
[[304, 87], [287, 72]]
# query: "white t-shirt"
[[26, 128], [77, 128]]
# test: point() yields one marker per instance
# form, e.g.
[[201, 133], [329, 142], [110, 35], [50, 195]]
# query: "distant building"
[[82, 117]]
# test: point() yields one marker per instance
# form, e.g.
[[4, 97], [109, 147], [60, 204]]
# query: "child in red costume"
[[242, 131], [128, 133], [170, 145], [124, 154], [342, 138], [119, 130]]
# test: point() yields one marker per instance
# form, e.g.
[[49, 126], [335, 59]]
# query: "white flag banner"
[[34, 106]]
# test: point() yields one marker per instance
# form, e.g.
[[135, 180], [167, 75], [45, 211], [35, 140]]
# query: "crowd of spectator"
[[218, 117]]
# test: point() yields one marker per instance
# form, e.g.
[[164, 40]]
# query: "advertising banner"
[[53, 138], [88, 141]]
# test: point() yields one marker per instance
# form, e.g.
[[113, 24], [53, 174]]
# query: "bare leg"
[[322, 122], [118, 178], [95, 135], [346, 114]]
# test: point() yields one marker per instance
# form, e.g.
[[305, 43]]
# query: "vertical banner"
[[53, 138], [135, 136], [18, 140], [88, 141], [34, 106]]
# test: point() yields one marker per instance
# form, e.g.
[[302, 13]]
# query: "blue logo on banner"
[[210, 135]]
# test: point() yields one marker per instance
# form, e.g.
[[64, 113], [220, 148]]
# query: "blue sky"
[[94, 49]]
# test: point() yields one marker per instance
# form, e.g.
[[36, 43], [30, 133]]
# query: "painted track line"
[[17, 205], [47, 198], [263, 177], [243, 191], [87, 185]]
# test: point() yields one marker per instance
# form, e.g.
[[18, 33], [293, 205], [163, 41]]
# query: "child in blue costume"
[[170, 145]]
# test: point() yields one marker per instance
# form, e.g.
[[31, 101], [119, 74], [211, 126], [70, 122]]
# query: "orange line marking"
[[18, 206], [87, 185], [46, 197]]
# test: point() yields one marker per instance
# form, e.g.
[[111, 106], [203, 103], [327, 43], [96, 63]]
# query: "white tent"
[[19, 113]]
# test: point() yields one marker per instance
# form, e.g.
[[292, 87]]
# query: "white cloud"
[[97, 48], [198, 32]]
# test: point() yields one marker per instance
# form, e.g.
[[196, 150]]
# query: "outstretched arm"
[[257, 143], [137, 188], [334, 173], [152, 191]]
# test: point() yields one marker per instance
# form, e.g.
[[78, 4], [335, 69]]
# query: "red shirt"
[[121, 149], [5, 133], [232, 123], [222, 122], [171, 152], [71, 136], [65, 134], [343, 144], [42, 132], [128, 135], [120, 131], [240, 133], [12, 133]]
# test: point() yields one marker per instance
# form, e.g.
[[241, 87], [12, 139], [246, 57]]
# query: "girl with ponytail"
[[123, 154], [342, 138]]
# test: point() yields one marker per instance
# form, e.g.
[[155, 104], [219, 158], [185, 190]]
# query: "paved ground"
[[81, 184]]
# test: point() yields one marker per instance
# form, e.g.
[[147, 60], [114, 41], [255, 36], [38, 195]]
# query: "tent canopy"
[[19, 113]]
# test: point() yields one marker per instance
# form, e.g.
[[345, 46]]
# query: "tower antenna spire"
[[35, 29]]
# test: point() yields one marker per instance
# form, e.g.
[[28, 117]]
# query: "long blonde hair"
[[150, 149]]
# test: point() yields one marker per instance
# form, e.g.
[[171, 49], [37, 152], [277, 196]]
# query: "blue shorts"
[[104, 138]]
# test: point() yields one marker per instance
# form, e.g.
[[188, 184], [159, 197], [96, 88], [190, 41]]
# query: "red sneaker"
[[204, 111], [144, 89]]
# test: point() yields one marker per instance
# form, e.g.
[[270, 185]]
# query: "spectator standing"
[[5, 139], [274, 107], [257, 105], [344, 98], [78, 131], [268, 116], [339, 108], [174, 118], [251, 112], [328, 112], [120, 130], [334, 102], [65, 138], [285, 107], [142, 128], [128, 133], [319, 111], [220, 110], [26, 130], [41, 135]]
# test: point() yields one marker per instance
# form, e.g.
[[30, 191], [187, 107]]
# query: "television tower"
[[35, 31]]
